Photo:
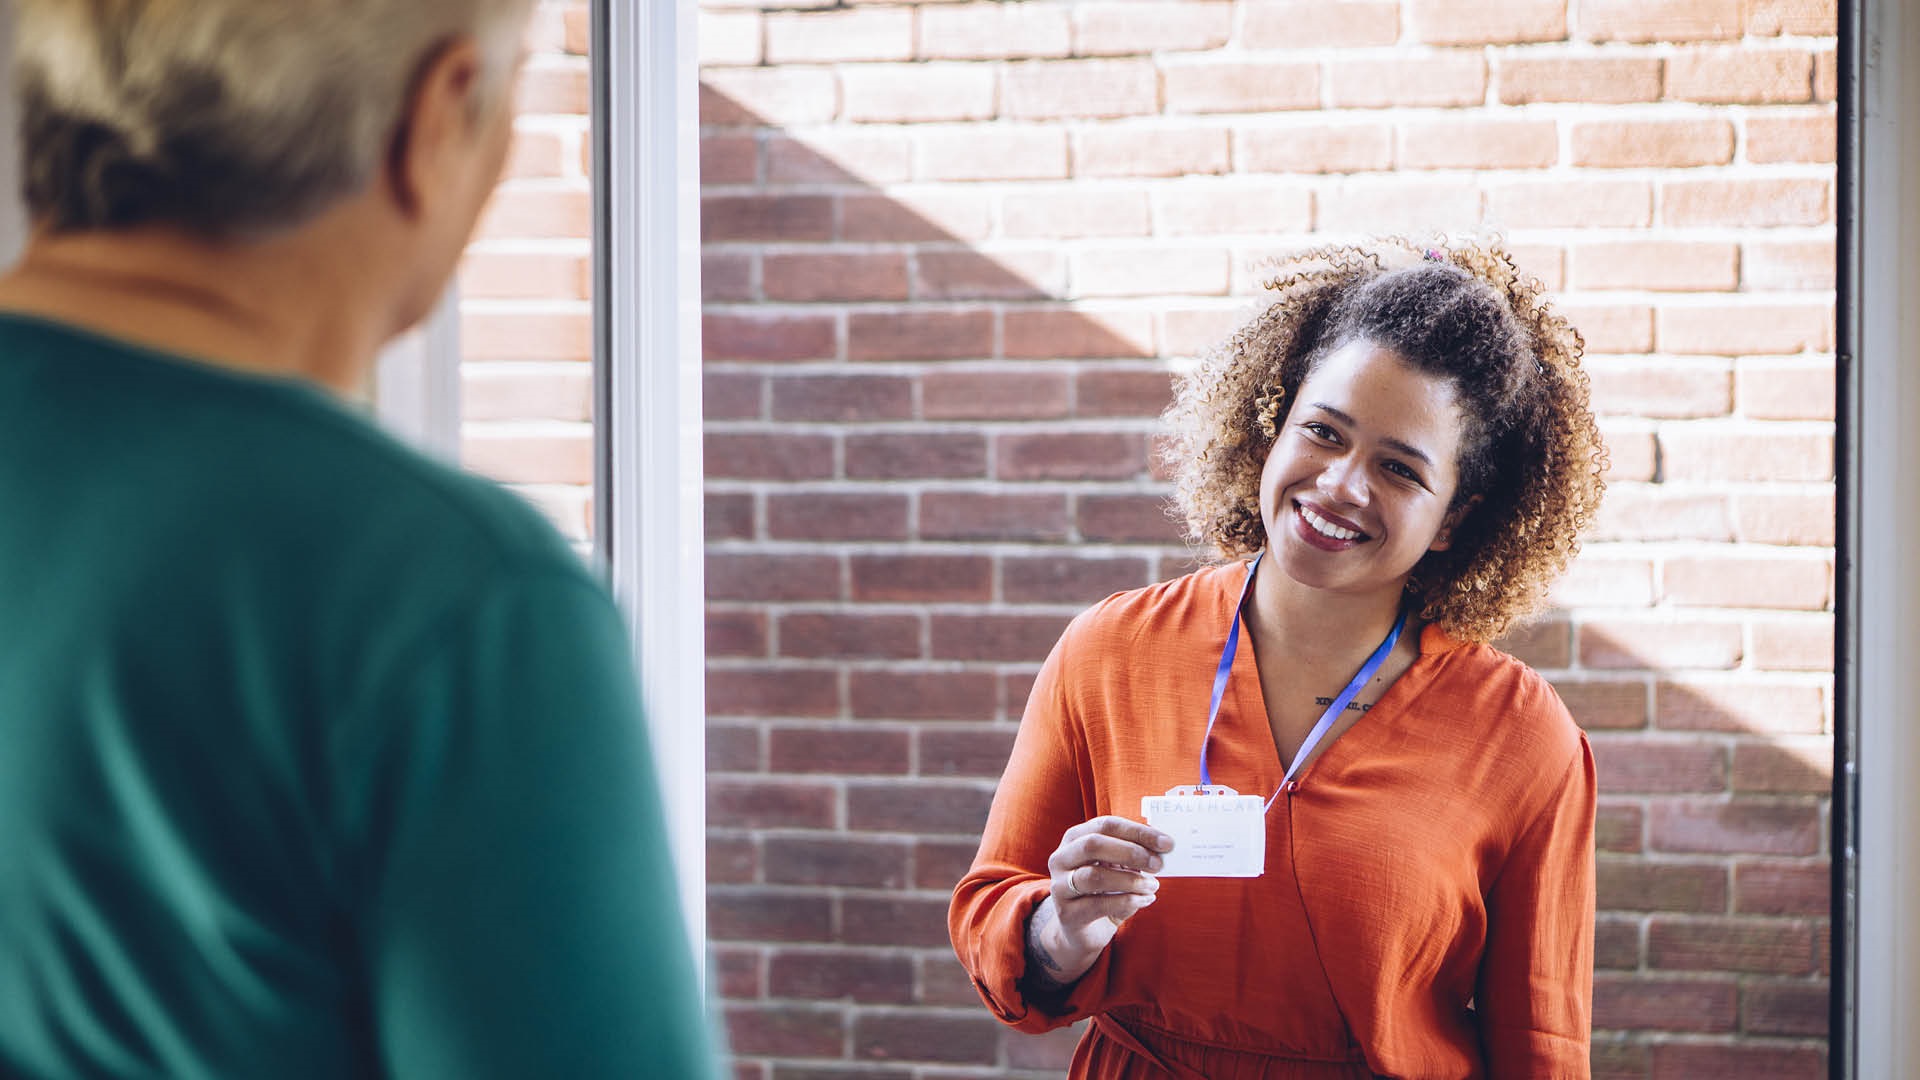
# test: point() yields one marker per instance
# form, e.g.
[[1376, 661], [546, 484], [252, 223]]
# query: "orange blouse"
[[1428, 903]]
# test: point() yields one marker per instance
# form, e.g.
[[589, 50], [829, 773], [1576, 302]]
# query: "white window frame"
[[649, 499], [1877, 805]]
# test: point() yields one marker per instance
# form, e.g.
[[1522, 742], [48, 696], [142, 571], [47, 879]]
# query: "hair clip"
[[1435, 255]]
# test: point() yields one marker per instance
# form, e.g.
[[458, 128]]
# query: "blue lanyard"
[[1220, 674]]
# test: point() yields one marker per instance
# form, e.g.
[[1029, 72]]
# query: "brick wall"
[[952, 251]]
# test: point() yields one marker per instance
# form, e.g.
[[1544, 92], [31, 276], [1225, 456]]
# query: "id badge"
[[1216, 831]]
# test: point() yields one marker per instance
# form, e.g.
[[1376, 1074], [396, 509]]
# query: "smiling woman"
[[1407, 453]]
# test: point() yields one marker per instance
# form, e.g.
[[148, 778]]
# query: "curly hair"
[[1531, 454]]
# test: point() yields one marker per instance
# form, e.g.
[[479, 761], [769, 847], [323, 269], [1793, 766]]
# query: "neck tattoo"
[[1353, 706]]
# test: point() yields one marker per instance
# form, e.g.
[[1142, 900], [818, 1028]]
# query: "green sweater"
[[317, 759]]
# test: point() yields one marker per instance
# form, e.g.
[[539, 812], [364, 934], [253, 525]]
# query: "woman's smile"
[[1326, 530]]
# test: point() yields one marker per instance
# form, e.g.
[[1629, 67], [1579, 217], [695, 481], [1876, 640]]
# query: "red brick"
[[909, 694], [824, 37], [1785, 389], [841, 399], [1314, 148], [558, 458], [1106, 392], [535, 155], [838, 635], [1061, 89], [1587, 80], [1657, 265], [1826, 75], [1785, 1008], [1069, 456], [1131, 27], [1799, 887], [785, 1030], [1793, 642], [1057, 579], [942, 216], [916, 454], [734, 861], [1618, 827], [729, 516], [909, 921], [1478, 144], [767, 335], [1790, 138], [732, 395], [994, 395], [1740, 75], [1636, 885], [1446, 78], [1632, 144], [730, 38], [954, 1038], [1611, 328], [966, 515], [1403, 207], [526, 335], [1654, 1004], [997, 637], [1581, 203], [836, 860], [993, 31], [1746, 329], [1745, 202], [1071, 213], [839, 157], [1753, 582], [1597, 580], [1127, 519], [549, 392], [1079, 333], [1663, 389], [918, 806], [734, 747], [1785, 518], [1192, 331], [917, 93], [1632, 644], [724, 275], [969, 274], [782, 97], [1616, 946], [1130, 150], [767, 456], [1471, 22], [1750, 705], [1631, 451], [1762, 946], [1802, 18], [1660, 766], [862, 975], [1541, 644], [1155, 271], [576, 30], [835, 515], [993, 153], [920, 334], [1660, 20], [1801, 766], [940, 864], [965, 752], [1740, 827], [941, 981], [523, 275], [1309, 24], [1224, 86], [1052, 1051], [735, 634], [1598, 705], [1787, 265], [762, 218], [766, 691], [1706, 455], [922, 578], [762, 804], [1690, 1061], [553, 86]]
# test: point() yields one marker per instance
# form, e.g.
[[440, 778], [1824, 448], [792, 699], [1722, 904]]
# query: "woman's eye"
[[1318, 430], [1403, 471]]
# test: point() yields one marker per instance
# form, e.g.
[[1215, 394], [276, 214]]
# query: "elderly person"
[[1395, 458], [321, 760]]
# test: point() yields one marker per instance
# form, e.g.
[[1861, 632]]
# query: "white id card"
[[1216, 831]]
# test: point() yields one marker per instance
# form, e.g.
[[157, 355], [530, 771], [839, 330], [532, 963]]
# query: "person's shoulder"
[[1502, 695], [1175, 606]]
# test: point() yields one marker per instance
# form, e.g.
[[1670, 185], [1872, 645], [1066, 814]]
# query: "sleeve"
[[1534, 1001], [505, 859], [1047, 789]]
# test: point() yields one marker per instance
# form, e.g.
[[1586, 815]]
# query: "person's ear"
[[1444, 538], [437, 122]]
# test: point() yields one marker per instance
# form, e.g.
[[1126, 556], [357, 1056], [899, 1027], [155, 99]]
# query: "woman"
[[1401, 442]]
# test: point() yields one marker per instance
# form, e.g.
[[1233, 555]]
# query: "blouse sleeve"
[[1047, 789], [1535, 992]]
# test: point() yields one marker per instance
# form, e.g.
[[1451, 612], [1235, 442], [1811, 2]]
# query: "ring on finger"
[[1071, 884]]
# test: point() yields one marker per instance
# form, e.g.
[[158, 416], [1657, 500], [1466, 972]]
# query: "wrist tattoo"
[[1044, 971], [1323, 702]]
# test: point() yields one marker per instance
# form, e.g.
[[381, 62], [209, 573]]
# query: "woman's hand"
[[1102, 874]]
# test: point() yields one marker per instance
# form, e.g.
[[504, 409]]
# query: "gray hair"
[[225, 117]]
